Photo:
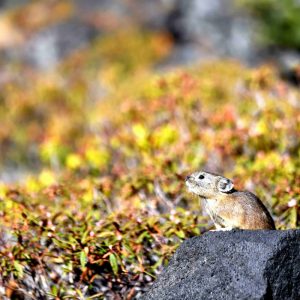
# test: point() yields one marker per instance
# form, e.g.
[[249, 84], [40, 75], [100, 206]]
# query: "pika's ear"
[[225, 185]]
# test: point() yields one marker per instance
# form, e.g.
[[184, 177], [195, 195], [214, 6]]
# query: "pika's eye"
[[201, 176]]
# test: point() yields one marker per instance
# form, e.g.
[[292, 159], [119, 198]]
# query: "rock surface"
[[217, 28], [233, 265], [47, 48]]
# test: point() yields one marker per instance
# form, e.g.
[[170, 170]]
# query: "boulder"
[[239, 264]]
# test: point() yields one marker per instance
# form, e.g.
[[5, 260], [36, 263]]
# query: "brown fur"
[[230, 209]]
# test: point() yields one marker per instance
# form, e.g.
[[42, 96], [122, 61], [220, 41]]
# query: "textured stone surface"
[[231, 265]]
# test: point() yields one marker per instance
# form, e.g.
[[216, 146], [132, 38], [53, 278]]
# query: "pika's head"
[[208, 185]]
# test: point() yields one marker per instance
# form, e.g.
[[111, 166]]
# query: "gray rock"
[[152, 14], [187, 54], [8, 4], [232, 265], [113, 7], [218, 26], [144, 13], [49, 46]]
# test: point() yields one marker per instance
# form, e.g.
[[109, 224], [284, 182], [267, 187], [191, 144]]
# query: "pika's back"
[[254, 210]]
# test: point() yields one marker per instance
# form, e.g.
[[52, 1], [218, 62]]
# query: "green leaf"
[[84, 237], [105, 234], [83, 258], [54, 290], [141, 237], [180, 234], [19, 269], [114, 263]]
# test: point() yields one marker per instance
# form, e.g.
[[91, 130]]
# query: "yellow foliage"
[[73, 161], [9, 204], [88, 196], [47, 178], [273, 160], [49, 149], [165, 135], [141, 135], [97, 157], [2, 190], [261, 127], [32, 184]]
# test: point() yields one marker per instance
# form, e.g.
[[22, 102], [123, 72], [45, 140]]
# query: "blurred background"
[[48, 48]]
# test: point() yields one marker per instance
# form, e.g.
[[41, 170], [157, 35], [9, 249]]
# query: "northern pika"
[[228, 207]]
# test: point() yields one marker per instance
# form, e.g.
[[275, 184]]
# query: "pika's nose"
[[187, 178]]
